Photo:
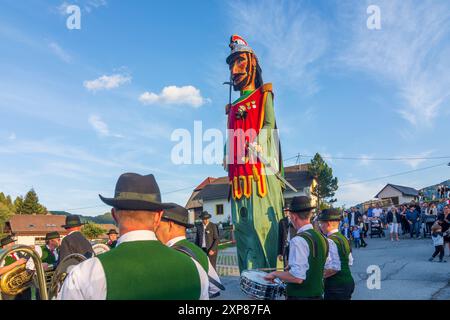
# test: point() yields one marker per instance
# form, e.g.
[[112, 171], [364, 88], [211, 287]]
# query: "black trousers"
[[439, 250], [212, 259], [343, 292]]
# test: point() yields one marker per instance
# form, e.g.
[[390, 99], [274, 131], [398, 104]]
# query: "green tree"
[[326, 183], [5, 215], [18, 205], [92, 231], [31, 204]]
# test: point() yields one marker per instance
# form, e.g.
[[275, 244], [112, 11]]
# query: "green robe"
[[256, 218]]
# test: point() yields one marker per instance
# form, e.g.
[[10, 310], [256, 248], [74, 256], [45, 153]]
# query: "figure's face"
[[242, 69]]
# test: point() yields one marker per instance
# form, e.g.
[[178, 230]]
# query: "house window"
[[39, 241], [219, 209]]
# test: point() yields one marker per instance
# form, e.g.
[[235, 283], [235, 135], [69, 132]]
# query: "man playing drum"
[[308, 256]]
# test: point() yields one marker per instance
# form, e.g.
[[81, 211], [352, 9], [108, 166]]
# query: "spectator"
[[438, 242], [429, 218], [393, 219], [376, 213], [365, 220], [413, 219], [446, 226], [346, 231], [363, 232], [356, 236], [353, 216], [404, 222]]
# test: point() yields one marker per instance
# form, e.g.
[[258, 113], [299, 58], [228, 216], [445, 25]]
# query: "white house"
[[398, 194], [212, 194]]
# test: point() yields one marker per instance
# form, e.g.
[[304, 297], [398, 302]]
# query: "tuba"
[[19, 279]]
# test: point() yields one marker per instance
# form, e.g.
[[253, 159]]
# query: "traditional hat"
[[329, 215], [177, 214], [238, 45], [300, 204], [72, 221], [52, 235], [205, 215], [136, 192], [6, 240], [112, 231]]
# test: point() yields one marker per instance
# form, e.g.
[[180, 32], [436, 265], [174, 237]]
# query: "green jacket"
[[313, 285]]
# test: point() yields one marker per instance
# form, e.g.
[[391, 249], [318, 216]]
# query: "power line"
[[394, 175], [369, 158]]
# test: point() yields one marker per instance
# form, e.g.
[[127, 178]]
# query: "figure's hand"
[[45, 266], [257, 147], [227, 108], [211, 252], [280, 257]]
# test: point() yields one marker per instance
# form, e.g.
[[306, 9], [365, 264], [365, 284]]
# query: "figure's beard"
[[243, 81]]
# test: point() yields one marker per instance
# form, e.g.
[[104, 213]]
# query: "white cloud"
[[365, 160], [411, 52], [353, 194], [414, 163], [12, 136], [287, 36], [60, 52], [106, 82], [173, 95], [101, 127]]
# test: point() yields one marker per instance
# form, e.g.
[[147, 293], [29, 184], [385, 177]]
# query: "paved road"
[[406, 272]]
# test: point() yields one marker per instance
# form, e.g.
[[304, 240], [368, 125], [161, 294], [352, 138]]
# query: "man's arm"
[[86, 281], [215, 235], [4, 270], [298, 263], [64, 249], [333, 262]]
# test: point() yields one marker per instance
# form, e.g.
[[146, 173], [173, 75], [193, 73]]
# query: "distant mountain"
[[105, 218]]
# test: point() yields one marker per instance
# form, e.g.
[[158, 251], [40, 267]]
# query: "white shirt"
[[204, 235], [377, 212], [299, 253], [87, 280], [350, 256], [211, 271]]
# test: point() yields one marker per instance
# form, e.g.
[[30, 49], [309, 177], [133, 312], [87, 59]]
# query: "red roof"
[[36, 224]]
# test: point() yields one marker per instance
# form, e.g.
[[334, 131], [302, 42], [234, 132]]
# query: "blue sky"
[[80, 107]]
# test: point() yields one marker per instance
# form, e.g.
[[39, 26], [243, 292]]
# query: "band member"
[[207, 237], [10, 262], [308, 256], [339, 283], [112, 235], [48, 252], [172, 232], [140, 267], [74, 242], [257, 192], [285, 232]]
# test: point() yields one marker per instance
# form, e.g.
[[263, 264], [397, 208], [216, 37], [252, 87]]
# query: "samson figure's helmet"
[[239, 45]]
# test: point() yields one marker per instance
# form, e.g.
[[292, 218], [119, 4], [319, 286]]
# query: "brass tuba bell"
[[19, 279]]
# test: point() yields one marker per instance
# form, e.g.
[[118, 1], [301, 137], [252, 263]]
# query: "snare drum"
[[252, 283]]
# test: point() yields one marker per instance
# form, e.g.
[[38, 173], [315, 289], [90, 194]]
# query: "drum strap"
[[191, 254]]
